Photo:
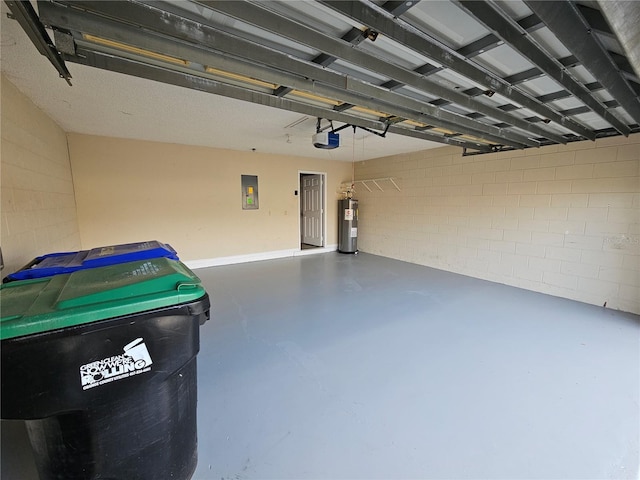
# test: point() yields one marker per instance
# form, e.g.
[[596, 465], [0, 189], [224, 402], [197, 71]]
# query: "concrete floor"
[[341, 366]]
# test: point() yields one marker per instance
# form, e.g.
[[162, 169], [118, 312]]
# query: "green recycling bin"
[[101, 366]]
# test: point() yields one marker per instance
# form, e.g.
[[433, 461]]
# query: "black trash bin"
[[101, 365]]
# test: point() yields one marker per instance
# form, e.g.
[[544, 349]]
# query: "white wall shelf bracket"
[[375, 181]]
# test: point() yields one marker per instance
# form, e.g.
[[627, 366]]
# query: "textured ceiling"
[[482, 75]]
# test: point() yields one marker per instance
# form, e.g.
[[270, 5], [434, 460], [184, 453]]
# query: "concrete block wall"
[[562, 220], [38, 201]]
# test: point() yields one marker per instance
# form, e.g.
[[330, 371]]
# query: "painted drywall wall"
[[190, 197], [38, 203], [562, 219]]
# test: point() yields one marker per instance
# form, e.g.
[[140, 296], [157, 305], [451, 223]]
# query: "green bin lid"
[[85, 296]]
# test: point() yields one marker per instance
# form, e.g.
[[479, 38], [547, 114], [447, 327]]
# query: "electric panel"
[[249, 192]]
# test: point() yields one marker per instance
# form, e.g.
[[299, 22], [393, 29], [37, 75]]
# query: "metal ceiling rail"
[[399, 7], [490, 41], [77, 19], [356, 36], [530, 74], [625, 18], [425, 135], [132, 57], [353, 36], [560, 94], [624, 64], [565, 22], [26, 16], [532, 22], [502, 25], [274, 23], [424, 70], [309, 77], [370, 96], [534, 72], [595, 19], [196, 82], [424, 44]]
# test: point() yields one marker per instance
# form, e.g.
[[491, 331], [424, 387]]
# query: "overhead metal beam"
[[399, 7], [353, 36], [500, 23], [550, 97], [524, 76], [490, 41], [424, 70], [624, 65], [195, 82], [583, 109], [425, 135], [26, 16], [343, 107], [148, 17], [369, 96], [571, 61], [424, 44], [256, 15], [595, 19], [624, 17], [535, 72], [531, 74], [477, 47], [308, 77], [565, 22]]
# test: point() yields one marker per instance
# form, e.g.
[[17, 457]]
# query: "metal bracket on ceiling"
[[383, 134], [347, 125], [370, 34], [320, 128], [26, 16], [492, 148]]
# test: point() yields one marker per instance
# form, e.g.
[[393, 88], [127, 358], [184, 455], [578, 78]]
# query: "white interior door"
[[312, 210]]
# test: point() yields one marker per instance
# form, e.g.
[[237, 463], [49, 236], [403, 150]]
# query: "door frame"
[[324, 206]]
